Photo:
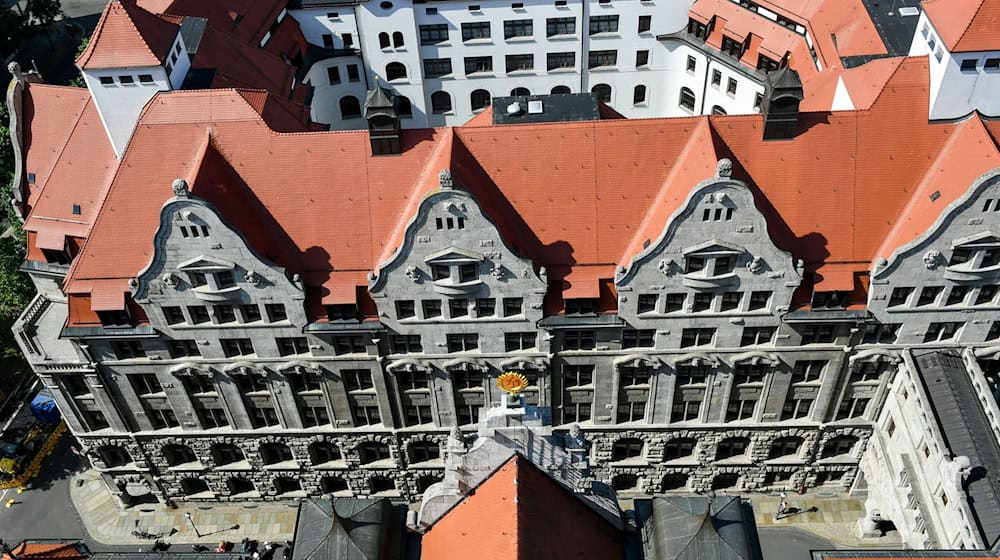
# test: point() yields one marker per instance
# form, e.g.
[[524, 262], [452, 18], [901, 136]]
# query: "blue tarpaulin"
[[44, 408]]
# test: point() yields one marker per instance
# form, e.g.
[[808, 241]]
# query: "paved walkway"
[[108, 525], [831, 516]]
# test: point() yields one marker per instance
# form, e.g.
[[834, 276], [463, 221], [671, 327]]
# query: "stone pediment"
[[454, 255], [203, 262]]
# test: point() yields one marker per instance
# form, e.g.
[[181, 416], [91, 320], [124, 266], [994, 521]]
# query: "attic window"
[[992, 64], [126, 80], [31, 178], [333, 15], [194, 231], [145, 78], [76, 210], [107, 81], [450, 223], [935, 195]]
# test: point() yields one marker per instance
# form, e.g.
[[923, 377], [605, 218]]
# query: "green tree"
[[78, 81], [16, 290], [43, 13]]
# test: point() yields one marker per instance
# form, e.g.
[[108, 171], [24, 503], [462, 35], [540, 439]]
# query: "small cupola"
[[383, 121], [780, 108]]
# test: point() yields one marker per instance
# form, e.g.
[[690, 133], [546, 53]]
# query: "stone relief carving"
[[932, 259], [724, 168], [180, 188], [413, 273], [444, 179], [252, 278], [497, 271], [756, 265], [666, 266]]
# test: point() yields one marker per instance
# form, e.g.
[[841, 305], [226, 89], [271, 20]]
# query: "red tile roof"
[[127, 35], [520, 513], [836, 194], [45, 551], [966, 25]]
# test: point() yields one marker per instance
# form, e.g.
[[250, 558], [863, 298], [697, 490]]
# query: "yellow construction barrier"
[[21, 480]]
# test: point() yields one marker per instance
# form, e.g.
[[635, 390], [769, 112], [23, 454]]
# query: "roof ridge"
[[970, 22]]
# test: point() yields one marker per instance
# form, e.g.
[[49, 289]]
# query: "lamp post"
[[187, 515]]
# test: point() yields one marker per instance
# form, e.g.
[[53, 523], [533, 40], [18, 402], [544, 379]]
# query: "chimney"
[[780, 108], [383, 121]]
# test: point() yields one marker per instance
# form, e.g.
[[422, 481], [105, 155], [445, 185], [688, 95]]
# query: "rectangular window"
[[173, 315], [405, 309], [969, 65], [292, 346], [233, 347], [645, 24], [641, 59], [795, 408], [631, 411], [674, 302], [957, 295], [766, 65], [692, 64], [992, 64], [183, 349], [702, 302], [342, 312], [900, 296], [477, 64], [486, 307], [579, 339], [126, 80], [431, 307], [128, 349], [929, 295], [353, 75], [697, 29], [603, 24], [994, 332], [458, 308], [107, 81], [555, 61], [731, 86], [225, 313], [437, 67], [513, 306], [581, 306], [741, 408], [357, 379], [647, 302], [225, 279], [328, 40], [578, 375], [199, 314], [940, 332], [275, 312], [145, 384], [759, 300], [852, 408], [250, 312], [716, 78], [518, 341], [406, 344], [417, 415], [519, 62], [560, 26], [755, 336], [114, 318], [880, 333], [696, 337], [348, 40], [986, 295], [758, 98], [475, 30], [642, 338], [818, 334], [731, 301], [732, 47], [349, 344], [463, 342], [518, 28], [808, 370], [145, 78]]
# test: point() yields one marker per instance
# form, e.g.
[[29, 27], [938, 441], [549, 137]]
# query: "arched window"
[[785, 446], [333, 484], [272, 453], [421, 451], [191, 486], [674, 481], [397, 39], [324, 452], [840, 445], [725, 481], [639, 95], [286, 484], [350, 107], [560, 90], [403, 107], [113, 456], [395, 71], [624, 482], [731, 447], [371, 451], [626, 448], [679, 447], [378, 484], [687, 99], [240, 485], [718, 110], [480, 99], [440, 102], [226, 454], [602, 92], [383, 40], [176, 454], [425, 482], [520, 92]]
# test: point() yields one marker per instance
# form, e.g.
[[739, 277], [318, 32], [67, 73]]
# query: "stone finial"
[[180, 187], [15, 70], [455, 438], [444, 179], [724, 168]]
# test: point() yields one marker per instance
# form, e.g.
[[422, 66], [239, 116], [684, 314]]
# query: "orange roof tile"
[[966, 25], [50, 114], [520, 513], [46, 551], [127, 35], [866, 82]]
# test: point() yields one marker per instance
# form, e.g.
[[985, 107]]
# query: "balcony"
[[38, 330]]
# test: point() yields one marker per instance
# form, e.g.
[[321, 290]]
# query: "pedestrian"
[[782, 507]]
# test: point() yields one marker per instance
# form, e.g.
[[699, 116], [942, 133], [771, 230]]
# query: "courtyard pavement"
[[830, 516]]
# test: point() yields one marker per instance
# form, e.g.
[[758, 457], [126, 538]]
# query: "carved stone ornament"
[[252, 278], [445, 180], [756, 265], [413, 273], [133, 283], [30, 76], [724, 168], [932, 259], [455, 437], [497, 271], [881, 263], [536, 305], [180, 187], [666, 266]]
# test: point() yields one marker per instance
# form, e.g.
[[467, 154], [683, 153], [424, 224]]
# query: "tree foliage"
[[43, 12], [78, 81], [15, 288]]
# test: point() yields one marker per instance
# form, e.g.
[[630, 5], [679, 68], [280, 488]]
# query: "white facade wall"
[[912, 479], [956, 92], [663, 76], [120, 104]]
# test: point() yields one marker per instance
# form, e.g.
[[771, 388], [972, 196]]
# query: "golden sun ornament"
[[512, 383]]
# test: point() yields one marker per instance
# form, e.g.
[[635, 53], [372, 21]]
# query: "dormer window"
[[468, 272], [829, 300], [440, 272], [342, 312], [455, 271], [710, 265], [974, 258], [581, 306], [114, 318], [210, 278]]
